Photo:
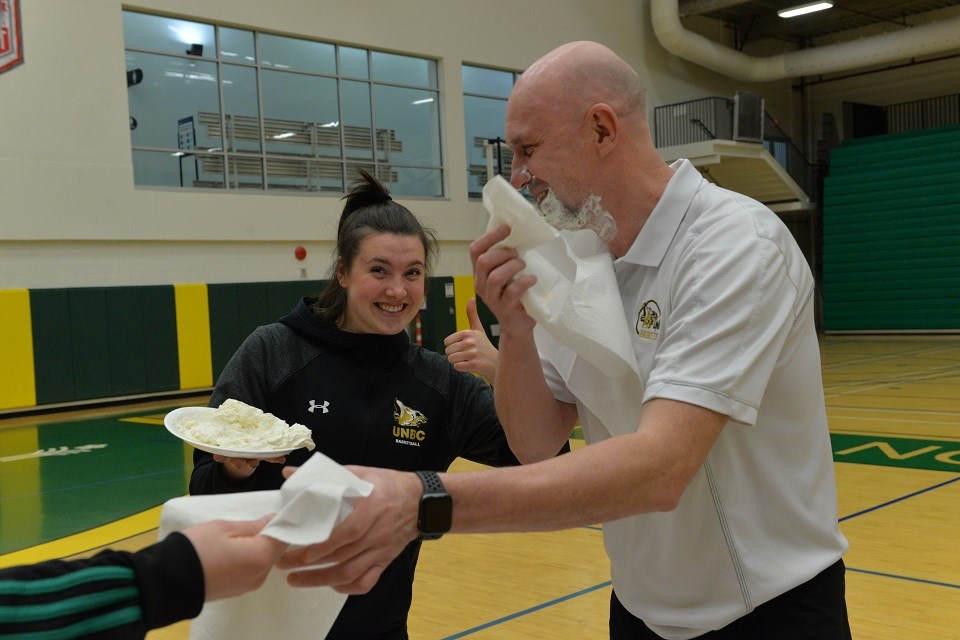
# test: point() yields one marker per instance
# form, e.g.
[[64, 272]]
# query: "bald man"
[[719, 508]]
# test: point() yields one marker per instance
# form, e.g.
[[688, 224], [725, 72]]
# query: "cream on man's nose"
[[522, 174]]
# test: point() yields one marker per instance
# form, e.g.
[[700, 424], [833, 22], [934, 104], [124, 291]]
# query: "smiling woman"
[[383, 257], [343, 366], [385, 285]]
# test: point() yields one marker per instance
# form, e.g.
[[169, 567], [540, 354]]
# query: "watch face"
[[436, 513]]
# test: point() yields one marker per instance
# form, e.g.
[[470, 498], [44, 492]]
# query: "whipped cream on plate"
[[237, 425]]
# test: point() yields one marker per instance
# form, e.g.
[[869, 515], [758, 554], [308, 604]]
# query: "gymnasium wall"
[[89, 305], [72, 217], [96, 343], [891, 233], [81, 245]]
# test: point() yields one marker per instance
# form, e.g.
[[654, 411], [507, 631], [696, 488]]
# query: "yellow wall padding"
[[18, 387], [193, 336], [462, 291]]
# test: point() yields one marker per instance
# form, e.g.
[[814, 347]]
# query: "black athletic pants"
[[815, 610]]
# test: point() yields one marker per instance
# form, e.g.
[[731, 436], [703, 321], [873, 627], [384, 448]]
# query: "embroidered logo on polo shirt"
[[406, 420], [648, 320]]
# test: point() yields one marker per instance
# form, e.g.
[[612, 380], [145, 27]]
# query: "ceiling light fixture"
[[802, 9]]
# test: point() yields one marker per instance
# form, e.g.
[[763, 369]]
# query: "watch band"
[[431, 482], [436, 507]]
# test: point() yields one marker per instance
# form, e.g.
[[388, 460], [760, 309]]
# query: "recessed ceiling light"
[[802, 9]]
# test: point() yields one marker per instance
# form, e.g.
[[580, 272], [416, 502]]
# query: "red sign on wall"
[[11, 44]]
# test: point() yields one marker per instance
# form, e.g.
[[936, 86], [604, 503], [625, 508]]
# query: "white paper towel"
[[581, 326], [310, 503]]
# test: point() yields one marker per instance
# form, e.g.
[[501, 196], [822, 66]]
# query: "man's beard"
[[591, 216]]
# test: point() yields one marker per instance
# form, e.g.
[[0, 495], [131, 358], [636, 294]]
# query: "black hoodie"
[[369, 399]]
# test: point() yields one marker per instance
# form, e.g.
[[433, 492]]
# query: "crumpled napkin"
[[581, 325], [310, 503]]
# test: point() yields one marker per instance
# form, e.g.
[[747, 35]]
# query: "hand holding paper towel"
[[577, 303], [310, 503]]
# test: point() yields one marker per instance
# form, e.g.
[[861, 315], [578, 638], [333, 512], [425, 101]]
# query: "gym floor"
[[75, 481]]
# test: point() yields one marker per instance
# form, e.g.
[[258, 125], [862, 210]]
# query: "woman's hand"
[[239, 469], [470, 349]]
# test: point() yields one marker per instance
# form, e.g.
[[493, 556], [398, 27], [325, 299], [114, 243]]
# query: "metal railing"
[[923, 114], [693, 121], [791, 158], [712, 119]]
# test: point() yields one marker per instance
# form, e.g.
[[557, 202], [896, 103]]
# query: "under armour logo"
[[323, 407]]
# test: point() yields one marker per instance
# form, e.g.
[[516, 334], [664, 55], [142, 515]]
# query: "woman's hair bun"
[[365, 191]]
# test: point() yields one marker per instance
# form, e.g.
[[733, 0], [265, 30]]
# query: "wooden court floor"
[[894, 410]]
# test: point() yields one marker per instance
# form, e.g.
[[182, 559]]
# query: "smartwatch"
[[436, 507]]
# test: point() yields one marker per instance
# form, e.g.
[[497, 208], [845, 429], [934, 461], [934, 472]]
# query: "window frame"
[[506, 153], [382, 161]]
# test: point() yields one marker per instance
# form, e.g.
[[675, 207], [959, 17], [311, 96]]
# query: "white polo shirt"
[[719, 299]]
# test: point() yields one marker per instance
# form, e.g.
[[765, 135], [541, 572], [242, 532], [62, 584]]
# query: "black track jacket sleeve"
[[114, 595]]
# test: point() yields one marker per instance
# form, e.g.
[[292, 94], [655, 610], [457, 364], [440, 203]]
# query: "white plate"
[[172, 419]]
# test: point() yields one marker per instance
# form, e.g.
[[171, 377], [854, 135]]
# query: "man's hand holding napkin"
[[307, 507]]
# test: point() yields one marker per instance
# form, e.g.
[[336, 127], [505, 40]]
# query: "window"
[[485, 93], [227, 108]]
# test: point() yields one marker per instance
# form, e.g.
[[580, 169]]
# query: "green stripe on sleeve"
[[66, 581], [111, 620], [68, 606]]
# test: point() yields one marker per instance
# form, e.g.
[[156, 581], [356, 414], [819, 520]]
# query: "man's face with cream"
[[558, 213], [591, 215]]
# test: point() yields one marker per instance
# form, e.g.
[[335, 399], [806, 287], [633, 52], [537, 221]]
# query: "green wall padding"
[[53, 354], [160, 338], [124, 325], [225, 334], [142, 338], [891, 233], [90, 342], [282, 297], [237, 309], [439, 319], [103, 342]]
